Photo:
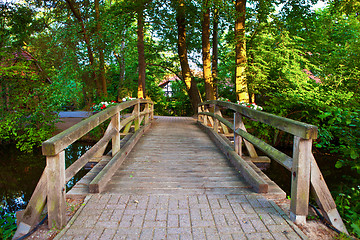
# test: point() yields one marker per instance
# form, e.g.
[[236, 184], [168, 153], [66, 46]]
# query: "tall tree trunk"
[[240, 52], [86, 39], [121, 60], [209, 87], [100, 47], [190, 83], [215, 54], [141, 53]]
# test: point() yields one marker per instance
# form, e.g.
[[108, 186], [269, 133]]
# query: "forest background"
[[290, 59]]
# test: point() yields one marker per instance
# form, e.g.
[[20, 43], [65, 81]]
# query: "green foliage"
[[348, 203], [8, 225]]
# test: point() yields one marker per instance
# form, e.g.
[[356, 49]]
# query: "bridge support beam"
[[300, 180], [56, 190]]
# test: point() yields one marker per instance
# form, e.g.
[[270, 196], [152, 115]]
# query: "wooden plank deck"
[[176, 184], [176, 157]]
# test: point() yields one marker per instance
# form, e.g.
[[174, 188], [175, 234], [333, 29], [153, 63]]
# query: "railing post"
[[237, 137], [56, 202], [115, 122], [152, 111], [300, 180], [200, 117], [147, 109], [216, 122], [137, 113]]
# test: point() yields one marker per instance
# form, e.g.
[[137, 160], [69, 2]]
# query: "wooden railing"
[[51, 187], [305, 173]]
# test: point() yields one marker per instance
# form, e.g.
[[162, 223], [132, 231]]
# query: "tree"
[[206, 57], [240, 51], [141, 51], [190, 83]]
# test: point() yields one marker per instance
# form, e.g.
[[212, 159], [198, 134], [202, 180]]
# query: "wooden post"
[[300, 180], [237, 137], [200, 117], [56, 203], [137, 113], [152, 112], [147, 109], [115, 122], [216, 122]]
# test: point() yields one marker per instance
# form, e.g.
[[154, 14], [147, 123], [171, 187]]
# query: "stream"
[[20, 173]]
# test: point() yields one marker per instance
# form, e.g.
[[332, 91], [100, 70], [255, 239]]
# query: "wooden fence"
[[51, 187], [305, 173]]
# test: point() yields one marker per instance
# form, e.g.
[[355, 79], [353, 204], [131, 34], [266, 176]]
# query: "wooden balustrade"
[[305, 173], [51, 187]]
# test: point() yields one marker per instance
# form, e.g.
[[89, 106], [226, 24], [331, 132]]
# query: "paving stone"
[[146, 233], [259, 225], [259, 236], [108, 233]]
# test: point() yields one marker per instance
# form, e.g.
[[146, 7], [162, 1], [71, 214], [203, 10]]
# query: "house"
[[166, 85]]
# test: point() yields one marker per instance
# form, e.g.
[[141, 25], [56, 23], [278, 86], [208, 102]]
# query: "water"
[[333, 176], [20, 173]]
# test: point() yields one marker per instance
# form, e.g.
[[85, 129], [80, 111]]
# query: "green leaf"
[[353, 154], [338, 164]]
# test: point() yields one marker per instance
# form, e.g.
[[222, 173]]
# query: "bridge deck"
[[176, 184]]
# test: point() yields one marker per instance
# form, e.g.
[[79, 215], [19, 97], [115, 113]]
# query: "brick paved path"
[[162, 194]]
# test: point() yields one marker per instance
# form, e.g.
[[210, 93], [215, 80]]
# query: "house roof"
[[169, 78]]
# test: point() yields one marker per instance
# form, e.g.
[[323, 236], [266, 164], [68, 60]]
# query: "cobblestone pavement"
[[211, 216]]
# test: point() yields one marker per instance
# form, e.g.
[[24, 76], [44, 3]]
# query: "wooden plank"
[[59, 142], [324, 198], [78, 164], [152, 112], [269, 150], [216, 121], [211, 120], [300, 180], [127, 120], [115, 123], [136, 112], [249, 146], [56, 203], [223, 126], [237, 137], [98, 184], [240, 164], [31, 214], [147, 113], [303, 130]]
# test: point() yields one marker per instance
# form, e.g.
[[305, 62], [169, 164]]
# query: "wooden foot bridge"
[[179, 178]]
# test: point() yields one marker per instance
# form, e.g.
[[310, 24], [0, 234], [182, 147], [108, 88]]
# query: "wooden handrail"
[[303, 167], [51, 187], [296, 128], [272, 152]]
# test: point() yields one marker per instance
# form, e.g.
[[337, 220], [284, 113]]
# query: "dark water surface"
[[20, 173]]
